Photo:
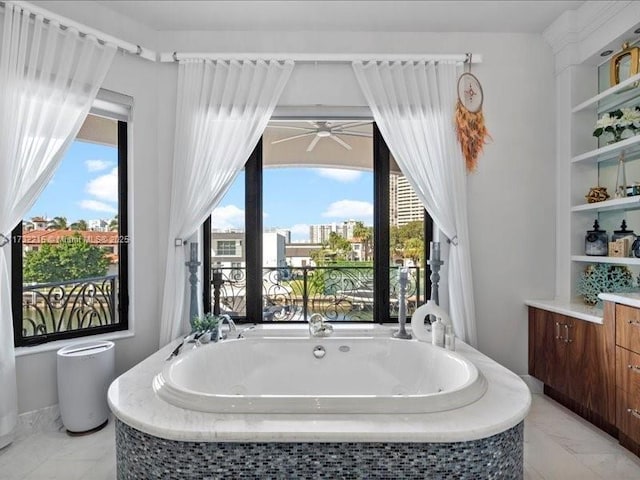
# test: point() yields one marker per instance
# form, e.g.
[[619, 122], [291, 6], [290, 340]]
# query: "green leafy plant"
[[206, 323]]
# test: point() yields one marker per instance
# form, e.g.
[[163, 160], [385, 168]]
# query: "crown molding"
[[576, 34]]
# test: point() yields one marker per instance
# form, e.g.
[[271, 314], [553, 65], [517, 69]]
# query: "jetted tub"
[[364, 406], [338, 374]]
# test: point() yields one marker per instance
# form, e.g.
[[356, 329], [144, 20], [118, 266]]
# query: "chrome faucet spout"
[[231, 327], [318, 326]]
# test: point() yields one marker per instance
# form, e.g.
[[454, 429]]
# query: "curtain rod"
[[322, 57], [66, 22]]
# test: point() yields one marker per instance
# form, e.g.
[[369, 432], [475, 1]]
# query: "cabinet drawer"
[[628, 414], [628, 327], [628, 371]]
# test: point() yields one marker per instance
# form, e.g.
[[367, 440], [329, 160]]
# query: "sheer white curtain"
[[413, 105], [49, 78], [223, 109]]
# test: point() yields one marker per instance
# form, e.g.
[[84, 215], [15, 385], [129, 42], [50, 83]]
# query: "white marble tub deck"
[[504, 405]]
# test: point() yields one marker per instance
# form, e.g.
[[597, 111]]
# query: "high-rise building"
[[321, 233], [404, 205]]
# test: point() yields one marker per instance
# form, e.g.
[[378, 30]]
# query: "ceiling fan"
[[323, 129]]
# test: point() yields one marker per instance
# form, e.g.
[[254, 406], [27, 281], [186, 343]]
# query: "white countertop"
[[632, 298], [504, 405], [571, 309]]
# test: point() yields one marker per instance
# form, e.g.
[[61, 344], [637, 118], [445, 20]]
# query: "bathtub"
[[338, 374], [365, 405]]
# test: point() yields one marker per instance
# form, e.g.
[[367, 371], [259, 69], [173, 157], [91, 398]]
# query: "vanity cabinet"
[[574, 359], [627, 321]]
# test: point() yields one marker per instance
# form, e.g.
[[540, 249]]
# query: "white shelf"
[[613, 260], [607, 93], [630, 146], [627, 203]]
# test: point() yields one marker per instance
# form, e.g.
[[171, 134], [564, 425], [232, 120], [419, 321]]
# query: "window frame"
[[253, 242], [123, 248]]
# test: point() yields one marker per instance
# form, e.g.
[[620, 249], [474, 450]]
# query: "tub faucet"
[[318, 327], [232, 327]]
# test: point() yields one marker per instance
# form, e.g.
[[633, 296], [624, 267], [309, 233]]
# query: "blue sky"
[[85, 186], [295, 198]]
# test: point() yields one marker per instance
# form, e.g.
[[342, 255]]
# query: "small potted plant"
[[206, 326]]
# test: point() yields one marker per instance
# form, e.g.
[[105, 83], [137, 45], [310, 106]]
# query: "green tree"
[[113, 224], [58, 223], [365, 235], [79, 225], [339, 245], [73, 258], [414, 249]]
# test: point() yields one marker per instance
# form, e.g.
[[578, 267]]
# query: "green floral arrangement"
[[601, 278], [617, 122], [205, 323]]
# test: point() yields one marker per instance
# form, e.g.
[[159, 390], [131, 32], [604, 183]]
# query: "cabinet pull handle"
[[558, 331], [634, 412], [635, 323], [635, 368], [566, 336]]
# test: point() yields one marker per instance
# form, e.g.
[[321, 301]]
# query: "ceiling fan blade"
[[313, 143], [355, 134], [292, 138], [351, 125], [341, 142], [291, 127]]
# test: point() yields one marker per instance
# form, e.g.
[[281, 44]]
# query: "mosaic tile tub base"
[[143, 456]]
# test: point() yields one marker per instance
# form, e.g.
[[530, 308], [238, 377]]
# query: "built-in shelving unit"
[[589, 167]]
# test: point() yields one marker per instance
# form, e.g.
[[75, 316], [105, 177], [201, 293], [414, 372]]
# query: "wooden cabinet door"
[[628, 327], [548, 350], [590, 367]]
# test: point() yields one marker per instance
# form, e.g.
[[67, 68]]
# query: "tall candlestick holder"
[[193, 265], [435, 263]]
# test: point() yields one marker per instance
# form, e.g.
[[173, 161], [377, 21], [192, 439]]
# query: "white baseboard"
[[533, 383], [43, 420]]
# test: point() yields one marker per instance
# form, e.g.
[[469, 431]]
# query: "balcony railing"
[[69, 306], [339, 293]]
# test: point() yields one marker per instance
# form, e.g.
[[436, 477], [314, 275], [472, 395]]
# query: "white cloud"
[[299, 232], [350, 209], [105, 187], [339, 174], [97, 206], [229, 216], [97, 165]]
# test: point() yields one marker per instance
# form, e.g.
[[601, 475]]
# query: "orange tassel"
[[472, 134]]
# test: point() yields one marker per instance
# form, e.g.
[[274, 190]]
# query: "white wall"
[[511, 197], [137, 78]]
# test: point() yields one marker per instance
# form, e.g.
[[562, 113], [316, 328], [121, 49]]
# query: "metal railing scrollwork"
[[69, 306], [339, 293]]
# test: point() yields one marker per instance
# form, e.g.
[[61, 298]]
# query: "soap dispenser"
[[437, 333]]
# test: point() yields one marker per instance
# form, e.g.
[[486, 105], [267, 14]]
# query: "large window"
[[329, 223], [69, 254]]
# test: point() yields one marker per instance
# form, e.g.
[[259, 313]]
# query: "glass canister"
[[596, 242], [622, 233]]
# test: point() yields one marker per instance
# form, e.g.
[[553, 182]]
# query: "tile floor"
[[558, 446]]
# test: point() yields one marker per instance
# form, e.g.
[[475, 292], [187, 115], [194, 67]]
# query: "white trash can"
[[85, 371]]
